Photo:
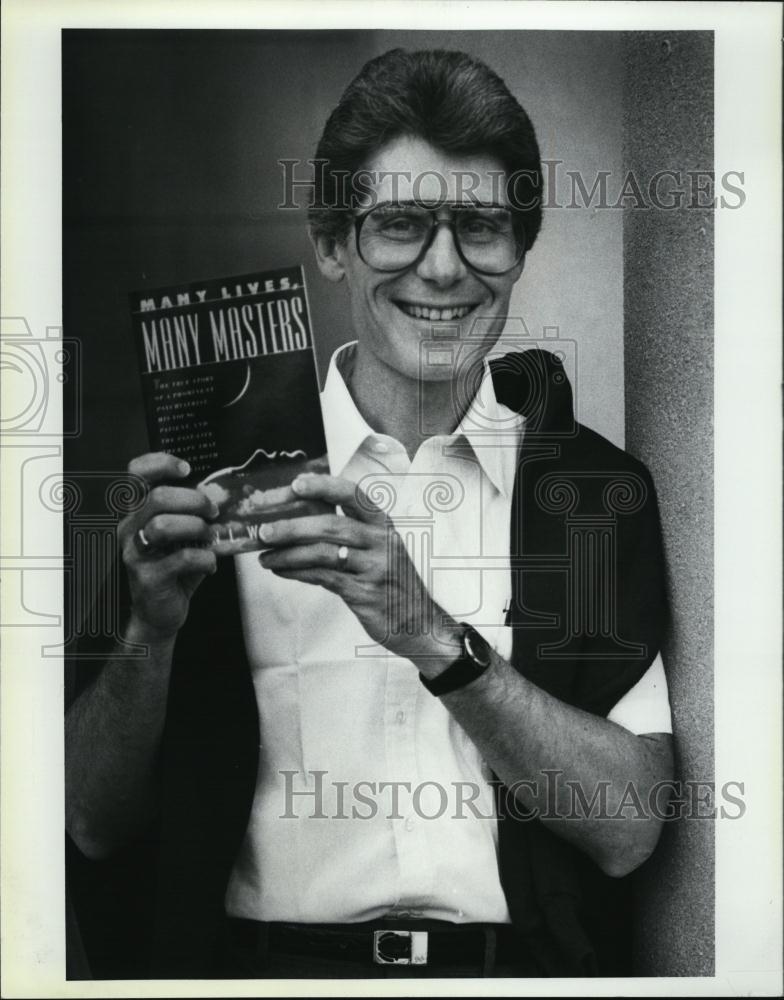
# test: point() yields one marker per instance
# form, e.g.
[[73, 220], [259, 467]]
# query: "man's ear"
[[329, 255]]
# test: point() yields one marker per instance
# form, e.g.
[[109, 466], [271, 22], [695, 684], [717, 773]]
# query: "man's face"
[[387, 308]]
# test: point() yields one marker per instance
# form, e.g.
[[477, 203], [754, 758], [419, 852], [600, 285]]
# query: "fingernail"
[[183, 468], [214, 509], [266, 531], [300, 484]]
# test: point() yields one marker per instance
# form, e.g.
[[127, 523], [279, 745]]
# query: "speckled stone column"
[[668, 345]]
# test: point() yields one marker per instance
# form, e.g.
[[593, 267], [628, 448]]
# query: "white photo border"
[[748, 534]]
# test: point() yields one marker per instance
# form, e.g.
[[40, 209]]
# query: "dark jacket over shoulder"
[[588, 610]]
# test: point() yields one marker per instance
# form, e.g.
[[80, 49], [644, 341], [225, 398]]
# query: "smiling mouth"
[[433, 315]]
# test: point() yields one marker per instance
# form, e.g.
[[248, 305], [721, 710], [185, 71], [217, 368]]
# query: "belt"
[[386, 942]]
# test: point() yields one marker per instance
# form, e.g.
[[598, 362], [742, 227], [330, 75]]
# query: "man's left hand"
[[361, 558]]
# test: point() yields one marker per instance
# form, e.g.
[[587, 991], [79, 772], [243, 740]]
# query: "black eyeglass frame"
[[431, 209]]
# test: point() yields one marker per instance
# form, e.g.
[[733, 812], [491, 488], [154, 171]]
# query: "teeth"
[[435, 315]]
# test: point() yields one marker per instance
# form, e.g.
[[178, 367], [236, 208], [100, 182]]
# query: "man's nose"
[[442, 263]]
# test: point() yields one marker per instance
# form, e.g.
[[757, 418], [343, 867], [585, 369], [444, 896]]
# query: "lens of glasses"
[[392, 237]]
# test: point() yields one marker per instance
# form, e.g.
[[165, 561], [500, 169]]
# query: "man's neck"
[[406, 409]]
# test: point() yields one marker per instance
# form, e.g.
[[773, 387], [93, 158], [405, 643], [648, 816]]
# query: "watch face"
[[476, 647]]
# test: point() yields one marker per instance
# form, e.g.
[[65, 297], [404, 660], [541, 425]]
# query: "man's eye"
[[479, 226], [484, 227], [401, 226]]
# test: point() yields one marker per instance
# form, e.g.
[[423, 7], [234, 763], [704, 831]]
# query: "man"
[[473, 618]]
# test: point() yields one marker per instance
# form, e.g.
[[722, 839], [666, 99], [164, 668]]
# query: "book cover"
[[230, 384]]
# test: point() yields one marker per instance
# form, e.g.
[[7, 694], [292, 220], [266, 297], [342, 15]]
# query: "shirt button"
[[400, 718], [380, 447], [410, 824]]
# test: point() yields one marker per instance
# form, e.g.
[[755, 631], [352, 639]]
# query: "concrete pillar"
[[668, 358]]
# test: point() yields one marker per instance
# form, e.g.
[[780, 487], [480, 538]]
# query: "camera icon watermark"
[[495, 377], [57, 541], [42, 378]]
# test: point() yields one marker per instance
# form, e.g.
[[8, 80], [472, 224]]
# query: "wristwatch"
[[472, 662]]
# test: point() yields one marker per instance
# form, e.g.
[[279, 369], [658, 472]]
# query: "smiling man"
[[421, 732]]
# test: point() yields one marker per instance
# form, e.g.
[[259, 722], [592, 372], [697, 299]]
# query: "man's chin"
[[453, 360]]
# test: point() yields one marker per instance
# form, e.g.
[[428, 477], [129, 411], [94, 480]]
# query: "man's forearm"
[[112, 735], [523, 733]]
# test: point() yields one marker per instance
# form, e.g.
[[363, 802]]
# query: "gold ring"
[[342, 557], [143, 543]]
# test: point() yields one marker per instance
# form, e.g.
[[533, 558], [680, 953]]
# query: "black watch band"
[[470, 665]]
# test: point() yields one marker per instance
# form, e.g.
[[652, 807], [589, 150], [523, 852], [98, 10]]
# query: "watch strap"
[[462, 671]]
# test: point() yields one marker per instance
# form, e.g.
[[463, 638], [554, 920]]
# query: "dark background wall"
[[668, 345], [170, 173]]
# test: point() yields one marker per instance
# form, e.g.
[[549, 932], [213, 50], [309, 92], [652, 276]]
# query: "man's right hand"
[[175, 522]]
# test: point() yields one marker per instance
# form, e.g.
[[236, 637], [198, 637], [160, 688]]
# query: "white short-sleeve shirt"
[[361, 807]]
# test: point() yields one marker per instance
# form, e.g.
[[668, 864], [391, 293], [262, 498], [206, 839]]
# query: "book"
[[230, 384]]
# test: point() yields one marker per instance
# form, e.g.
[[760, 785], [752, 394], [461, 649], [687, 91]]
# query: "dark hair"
[[449, 99]]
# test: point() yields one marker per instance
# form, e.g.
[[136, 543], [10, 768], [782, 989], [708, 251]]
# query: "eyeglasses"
[[490, 239]]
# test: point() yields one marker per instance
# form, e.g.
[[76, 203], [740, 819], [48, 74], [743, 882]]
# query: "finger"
[[182, 562], [339, 491], [178, 500], [322, 555], [320, 464], [167, 500], [165, 530], [328, 578], [158, 467], [320, 528]]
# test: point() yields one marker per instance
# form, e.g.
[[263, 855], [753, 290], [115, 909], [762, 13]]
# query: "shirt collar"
[[345, 428], [493, 432], [491, 429]]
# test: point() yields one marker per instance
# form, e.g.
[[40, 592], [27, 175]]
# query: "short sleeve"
[[645, 708]]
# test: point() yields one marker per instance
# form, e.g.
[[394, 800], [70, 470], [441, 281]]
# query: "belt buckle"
[[400, 947]]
